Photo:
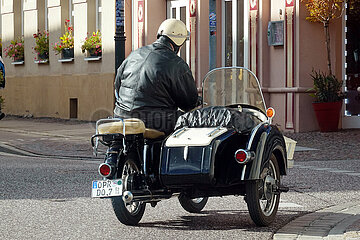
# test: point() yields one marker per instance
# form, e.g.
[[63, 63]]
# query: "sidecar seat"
[[132, 126], [241, 121]]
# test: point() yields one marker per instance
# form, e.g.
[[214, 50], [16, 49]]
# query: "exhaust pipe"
[[127, 197], [143, 196]]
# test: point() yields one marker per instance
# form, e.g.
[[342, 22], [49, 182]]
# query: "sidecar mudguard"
[[264, 139]]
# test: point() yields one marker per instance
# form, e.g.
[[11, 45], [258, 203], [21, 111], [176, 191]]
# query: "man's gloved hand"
[[199, 101]]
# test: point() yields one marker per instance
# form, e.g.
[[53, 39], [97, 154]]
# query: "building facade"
[[270, 37]]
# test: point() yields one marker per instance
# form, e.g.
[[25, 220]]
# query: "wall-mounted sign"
[[253, 5], [212, 19], [119, 13], [289, 3], [276, 33]]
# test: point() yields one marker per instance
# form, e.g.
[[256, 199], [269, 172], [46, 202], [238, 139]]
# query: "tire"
[[192, 205], [128, 213], [261, 201]]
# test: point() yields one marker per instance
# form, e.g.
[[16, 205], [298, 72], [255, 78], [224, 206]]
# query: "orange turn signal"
[[270, 112]]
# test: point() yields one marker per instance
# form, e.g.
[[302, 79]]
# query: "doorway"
[[179, 9], [235, 37], [352, 65]]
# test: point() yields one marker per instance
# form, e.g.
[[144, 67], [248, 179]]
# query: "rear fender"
[[261, 142]]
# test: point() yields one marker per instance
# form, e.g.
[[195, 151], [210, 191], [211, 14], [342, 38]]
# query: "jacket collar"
[[165, 42]]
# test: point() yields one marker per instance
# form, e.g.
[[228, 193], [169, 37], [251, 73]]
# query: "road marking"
[[289, 205], [353, 174], [340, 171], [332, 170], [299, 149]]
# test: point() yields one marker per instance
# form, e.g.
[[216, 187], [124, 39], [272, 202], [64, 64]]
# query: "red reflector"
[[105, 170], [241, 156]]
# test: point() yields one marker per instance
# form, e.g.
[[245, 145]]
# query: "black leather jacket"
[[154, 78]]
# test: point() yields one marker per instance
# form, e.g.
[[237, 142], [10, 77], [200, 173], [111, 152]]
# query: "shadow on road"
[[222, 220]]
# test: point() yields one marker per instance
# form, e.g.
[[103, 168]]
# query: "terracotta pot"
[[328, 115]]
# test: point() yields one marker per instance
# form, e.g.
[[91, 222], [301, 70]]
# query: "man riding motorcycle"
[[154, 82]]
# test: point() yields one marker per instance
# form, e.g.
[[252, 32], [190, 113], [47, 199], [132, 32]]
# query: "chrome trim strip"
[[179, 132], [213, 131], [253, 133], [146, 147], [243, 173]]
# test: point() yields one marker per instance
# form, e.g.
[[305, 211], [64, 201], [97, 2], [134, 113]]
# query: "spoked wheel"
[[262, 197], [194, 205], [128, 213]]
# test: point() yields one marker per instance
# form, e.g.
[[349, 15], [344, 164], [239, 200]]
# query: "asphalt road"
[[49, 198]]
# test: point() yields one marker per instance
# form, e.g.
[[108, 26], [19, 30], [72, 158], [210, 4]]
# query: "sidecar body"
[[205, 150]]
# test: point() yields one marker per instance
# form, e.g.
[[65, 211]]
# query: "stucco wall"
[[49, 96], [44, 90]]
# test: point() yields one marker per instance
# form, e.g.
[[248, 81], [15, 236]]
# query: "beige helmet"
[[175, 30]]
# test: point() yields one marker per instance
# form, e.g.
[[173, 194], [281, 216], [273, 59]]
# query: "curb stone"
[[330, 223]]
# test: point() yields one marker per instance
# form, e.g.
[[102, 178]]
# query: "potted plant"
[[92, 44], [66, 44], [326, 86], [41, 45], [328, 100], [15, 50]]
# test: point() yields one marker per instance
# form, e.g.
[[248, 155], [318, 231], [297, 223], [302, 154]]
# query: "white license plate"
[[107, 188]]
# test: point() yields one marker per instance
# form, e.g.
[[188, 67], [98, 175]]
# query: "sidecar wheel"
[[192, 205], [261, 199], [128, 213]]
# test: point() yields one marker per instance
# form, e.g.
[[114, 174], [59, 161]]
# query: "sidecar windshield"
[[230, 86]]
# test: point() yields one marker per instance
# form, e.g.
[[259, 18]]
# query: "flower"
[[42, 44], [15, 50], [93, 43], [67, 40]]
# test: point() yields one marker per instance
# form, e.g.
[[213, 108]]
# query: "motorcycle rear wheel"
[[261, 200], [128, 213], [192, 205]]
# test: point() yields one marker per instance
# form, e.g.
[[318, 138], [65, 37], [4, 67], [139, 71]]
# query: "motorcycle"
[[227, 147]]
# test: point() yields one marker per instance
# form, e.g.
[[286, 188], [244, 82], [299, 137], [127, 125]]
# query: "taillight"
[[242, 156], [105, 170]]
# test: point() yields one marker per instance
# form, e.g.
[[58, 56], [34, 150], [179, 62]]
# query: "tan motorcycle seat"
[[132, 126], [153, 133]]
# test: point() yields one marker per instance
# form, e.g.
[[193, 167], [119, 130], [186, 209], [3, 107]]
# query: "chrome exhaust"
[[143, 196], [127, 197]]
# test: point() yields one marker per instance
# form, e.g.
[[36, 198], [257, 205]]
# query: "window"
[[71, 12], [42, 14], [98, 14], [22, 17], [46, 15]]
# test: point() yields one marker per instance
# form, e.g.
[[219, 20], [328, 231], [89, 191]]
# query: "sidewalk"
[[336, 222], [47, 137], [72, 139]]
